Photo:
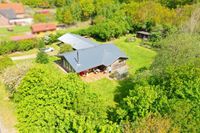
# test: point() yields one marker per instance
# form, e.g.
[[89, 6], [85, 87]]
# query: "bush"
[[5, 62], [48, 101], [65, 48], [12, 76], [24, 45], [107, 30], [42, 58]]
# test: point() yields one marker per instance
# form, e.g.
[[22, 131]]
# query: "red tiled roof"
[[17, 7], [22, 37], [42, 27]]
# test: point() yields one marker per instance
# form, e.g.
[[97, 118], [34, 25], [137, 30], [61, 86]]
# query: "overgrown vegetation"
[[5, 62], [7, 47], [62, 103], [65, 48], [42, 58], [172, 81]]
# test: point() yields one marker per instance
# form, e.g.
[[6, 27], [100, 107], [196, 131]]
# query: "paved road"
[[32, 56]]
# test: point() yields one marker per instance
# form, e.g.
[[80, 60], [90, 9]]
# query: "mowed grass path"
[[138, 57]]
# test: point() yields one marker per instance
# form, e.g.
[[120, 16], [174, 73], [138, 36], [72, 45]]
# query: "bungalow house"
[[77, 42], [42, 27], [90, 56], [105, 58]]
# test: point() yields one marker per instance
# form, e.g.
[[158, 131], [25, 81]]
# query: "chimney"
[[77, 57]]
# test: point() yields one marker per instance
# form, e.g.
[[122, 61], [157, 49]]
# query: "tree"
[[49, 101], [65, 48], [42, 58], [138, 103], [87, 8]]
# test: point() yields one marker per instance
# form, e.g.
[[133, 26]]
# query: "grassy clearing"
[[7, 110], [17, 30], [112, 91], [138, 56]]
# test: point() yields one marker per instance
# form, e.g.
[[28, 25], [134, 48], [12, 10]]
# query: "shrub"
[[24, 45], [12, 76], [65, 48], [48, 101], [5, 62], [112, 28], [42, 58]]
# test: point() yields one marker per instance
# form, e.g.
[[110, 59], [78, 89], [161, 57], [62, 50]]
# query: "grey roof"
[[105, 54], [143, 32], [76, 41], [8, 13]]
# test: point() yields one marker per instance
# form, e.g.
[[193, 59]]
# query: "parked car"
[[46, 50]]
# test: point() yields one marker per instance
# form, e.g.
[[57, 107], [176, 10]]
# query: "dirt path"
[[3, 129], [32, 56], [7, 116]]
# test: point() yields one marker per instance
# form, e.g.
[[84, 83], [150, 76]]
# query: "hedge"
[[25, 45]]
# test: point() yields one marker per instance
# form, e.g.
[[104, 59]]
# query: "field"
[[138, 56], [17, 30]]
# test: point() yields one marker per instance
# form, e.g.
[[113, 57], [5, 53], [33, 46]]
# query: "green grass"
[[17, 30], [105, 89], [138, 56], [112, 91]]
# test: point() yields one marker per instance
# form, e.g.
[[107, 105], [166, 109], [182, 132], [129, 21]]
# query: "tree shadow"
[[123, 89]]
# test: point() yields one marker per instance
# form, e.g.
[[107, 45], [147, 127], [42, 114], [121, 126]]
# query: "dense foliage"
[[134, 16], [65, 48], [42, 58], [49, 103], [13, 75], [43, 18], [171, 87], [24, 45]]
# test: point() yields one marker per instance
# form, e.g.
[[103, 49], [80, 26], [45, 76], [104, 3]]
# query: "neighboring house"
[[105, 57], [17, 7], [143, 34], [23, 37], [6, 16], [77, 42], [15, 14], [22, 21], [3, 21], [42, 27], [8, 13]]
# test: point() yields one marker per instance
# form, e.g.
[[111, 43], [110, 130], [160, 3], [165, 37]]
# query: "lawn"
[[112, 91], [138, 56], [17, 30]]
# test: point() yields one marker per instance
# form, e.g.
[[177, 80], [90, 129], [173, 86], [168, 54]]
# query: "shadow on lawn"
[[123, 89]]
